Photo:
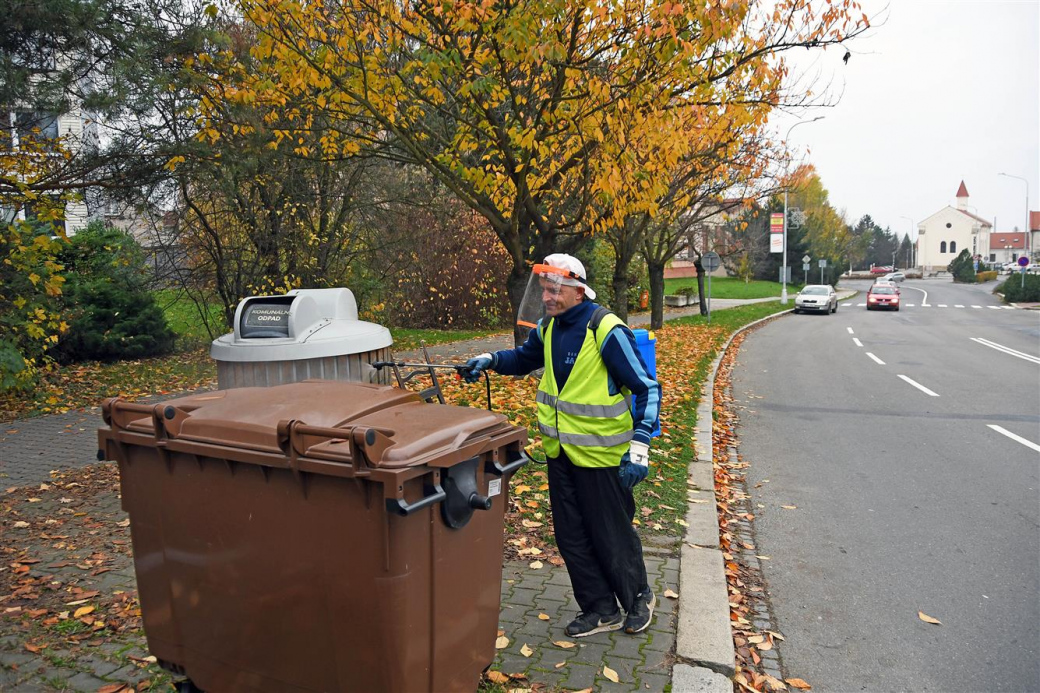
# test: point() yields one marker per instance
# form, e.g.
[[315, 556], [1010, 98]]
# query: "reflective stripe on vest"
[[592, 426]]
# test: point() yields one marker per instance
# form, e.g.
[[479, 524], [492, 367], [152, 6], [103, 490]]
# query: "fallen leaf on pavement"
[[497, 677], [610, 674], [502, 643], [83, 611], [789, 507], [543, 617], [928, 619], [536, 565], [774, 683], [562, 664], [799, 684], [670, 594], [564, 644], [526, 651], [112, 688]]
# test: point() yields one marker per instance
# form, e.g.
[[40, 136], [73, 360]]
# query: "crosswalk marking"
[[942, 305]]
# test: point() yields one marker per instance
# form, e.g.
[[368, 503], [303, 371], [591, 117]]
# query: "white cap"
[[571, 264]]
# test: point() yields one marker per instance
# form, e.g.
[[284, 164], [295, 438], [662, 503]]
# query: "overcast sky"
[[942, 91]]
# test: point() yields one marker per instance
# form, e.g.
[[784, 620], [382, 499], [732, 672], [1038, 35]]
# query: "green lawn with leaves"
[[731, 287]]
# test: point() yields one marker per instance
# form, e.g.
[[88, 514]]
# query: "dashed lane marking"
[[1014, 437], [920, 387]]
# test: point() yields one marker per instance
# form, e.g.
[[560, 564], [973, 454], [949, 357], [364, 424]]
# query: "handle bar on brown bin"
[[434, 493], [457, 367], [493, 467]]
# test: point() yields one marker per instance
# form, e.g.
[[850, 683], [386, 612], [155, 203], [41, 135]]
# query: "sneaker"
[[638, 618], [587, 624]]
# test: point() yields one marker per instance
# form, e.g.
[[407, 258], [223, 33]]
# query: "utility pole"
[[783, 267]]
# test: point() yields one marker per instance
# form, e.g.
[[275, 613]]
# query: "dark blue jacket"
[[625, 366]]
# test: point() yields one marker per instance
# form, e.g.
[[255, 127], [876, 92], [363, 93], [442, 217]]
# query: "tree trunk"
[[517, 285], [620, 284], [656, 270]]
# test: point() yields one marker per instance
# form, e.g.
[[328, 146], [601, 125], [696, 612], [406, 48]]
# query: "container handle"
[[399, 506], [499, 469]]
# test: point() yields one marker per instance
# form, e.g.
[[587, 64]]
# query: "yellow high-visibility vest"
[[592, 426]]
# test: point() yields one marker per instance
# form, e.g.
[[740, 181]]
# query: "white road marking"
[[942, 305], [909, 305], [876, 359], [994, 307], [955, 306], [861, 304], [924, 301], [1007, 350], [976, 306], [1016, 438], [920, 387], [850, 330], [1008, 307], [858, 343]]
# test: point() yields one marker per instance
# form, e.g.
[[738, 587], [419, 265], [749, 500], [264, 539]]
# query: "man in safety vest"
[[597, 450]]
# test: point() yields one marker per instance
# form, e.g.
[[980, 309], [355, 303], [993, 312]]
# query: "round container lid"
[[322, 339]]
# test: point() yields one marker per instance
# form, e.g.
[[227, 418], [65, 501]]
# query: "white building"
[[943, 235], [75, 129]]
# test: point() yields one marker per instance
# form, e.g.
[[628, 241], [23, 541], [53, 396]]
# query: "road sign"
[[806, 258], [776, 242], [776, 222], [823, 263], [806, 266], [1023, 262], [710, 261]]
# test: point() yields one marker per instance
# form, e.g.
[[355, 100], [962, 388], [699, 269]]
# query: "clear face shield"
[[550, 291]]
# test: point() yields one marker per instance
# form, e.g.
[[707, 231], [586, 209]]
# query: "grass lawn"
[[731, 287]]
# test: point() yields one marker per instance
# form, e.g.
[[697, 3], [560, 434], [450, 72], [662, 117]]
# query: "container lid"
[[302, 324], [249, 418]]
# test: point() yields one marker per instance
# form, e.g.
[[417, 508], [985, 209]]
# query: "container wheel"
[[188, 686]]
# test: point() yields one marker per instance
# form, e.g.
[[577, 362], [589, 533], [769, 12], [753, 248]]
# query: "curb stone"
[[688, 679]]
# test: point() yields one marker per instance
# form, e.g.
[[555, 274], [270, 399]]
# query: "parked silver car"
[[893, 277], [816, 298]]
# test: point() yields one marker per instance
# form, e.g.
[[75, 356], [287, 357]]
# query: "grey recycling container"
[[302, 335]]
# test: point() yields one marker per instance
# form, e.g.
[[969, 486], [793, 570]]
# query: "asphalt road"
[[905, 501]]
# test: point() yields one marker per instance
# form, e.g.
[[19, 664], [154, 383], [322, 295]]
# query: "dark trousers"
[[592, 516]]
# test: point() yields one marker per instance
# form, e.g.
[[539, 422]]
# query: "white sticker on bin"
[[495, 487]]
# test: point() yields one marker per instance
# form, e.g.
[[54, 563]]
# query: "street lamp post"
[[783, 266], [913, 243], [1028, 249]]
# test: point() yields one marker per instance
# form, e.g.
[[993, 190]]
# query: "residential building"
[[944, 234], [1006, 247], [710, 233]]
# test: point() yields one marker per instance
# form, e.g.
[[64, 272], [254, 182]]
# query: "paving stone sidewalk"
[[30, 449]]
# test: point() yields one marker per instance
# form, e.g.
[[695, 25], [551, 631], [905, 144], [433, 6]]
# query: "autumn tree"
[[518, 108]]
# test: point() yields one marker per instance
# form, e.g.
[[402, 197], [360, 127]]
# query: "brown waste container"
[[317, 536]]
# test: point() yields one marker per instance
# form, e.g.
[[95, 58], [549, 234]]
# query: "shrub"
[[451, 272], [31, 281], [110, 312], [687, 291], [963, 268], [1019, 289], [986, 276]]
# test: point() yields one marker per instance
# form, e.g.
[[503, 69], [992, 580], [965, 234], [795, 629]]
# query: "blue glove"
[[475, 366], [635, 464]]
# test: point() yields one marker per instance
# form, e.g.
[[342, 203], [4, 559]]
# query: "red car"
[[881, 269], [883, 296]]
